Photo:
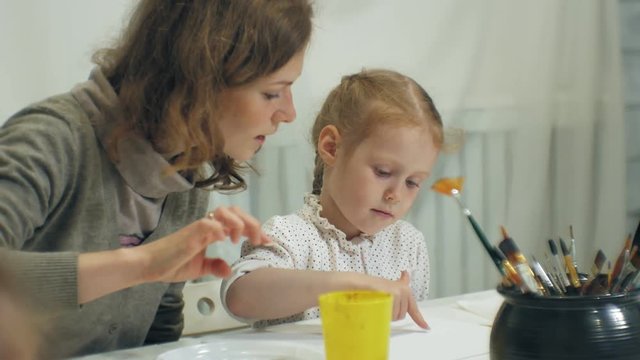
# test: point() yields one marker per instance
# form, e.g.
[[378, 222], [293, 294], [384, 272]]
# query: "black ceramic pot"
[[572, 327]]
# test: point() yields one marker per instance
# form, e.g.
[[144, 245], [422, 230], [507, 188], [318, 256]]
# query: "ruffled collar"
[[311, 212]]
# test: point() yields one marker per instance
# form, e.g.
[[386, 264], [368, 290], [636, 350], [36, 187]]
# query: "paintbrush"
[[620, 262], [628, 267], [573, 248], [568, 260], [511, 277], [598, 263], [519, 262], [553, 274], [561, 273], [543, 277], [636, 236], [595, 283], [608, 273], [630, 281], [453, 187]]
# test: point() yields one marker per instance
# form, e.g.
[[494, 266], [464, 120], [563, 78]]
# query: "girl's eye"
[[413, 184], [271, 96], [381, 172]]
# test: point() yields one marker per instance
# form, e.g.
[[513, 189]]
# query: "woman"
[[103, 188]]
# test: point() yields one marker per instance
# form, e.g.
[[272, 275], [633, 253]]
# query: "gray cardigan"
[[57, 199]]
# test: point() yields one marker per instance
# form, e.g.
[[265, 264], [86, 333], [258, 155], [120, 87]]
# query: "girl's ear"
[[328, 143]]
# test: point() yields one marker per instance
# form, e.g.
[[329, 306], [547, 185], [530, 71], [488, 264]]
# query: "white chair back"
[[203, 310]]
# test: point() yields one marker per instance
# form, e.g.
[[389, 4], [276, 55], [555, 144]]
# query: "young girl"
[[102, 188], [377, 137]]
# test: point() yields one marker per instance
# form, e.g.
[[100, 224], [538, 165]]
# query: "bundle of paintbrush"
[[559, 274]]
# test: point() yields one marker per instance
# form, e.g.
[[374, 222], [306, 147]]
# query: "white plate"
[[243, 350]]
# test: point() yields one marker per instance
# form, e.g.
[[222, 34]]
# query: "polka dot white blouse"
[[307, 241]]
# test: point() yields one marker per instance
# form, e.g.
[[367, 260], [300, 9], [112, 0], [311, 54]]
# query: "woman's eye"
[[271, 96]]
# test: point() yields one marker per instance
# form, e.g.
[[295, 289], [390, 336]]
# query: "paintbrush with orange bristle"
[[453, 187]]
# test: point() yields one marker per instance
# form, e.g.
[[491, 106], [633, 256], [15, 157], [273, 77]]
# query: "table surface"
[[460, 329]]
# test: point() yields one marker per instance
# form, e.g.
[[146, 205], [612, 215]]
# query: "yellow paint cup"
[[356, 324]]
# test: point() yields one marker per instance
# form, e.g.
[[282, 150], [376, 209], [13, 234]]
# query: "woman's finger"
[[252, 229], [266, 240], [209, 230], [233, 224], [218, 267]]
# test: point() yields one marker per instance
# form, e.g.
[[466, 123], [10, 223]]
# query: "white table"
[[460, 329]]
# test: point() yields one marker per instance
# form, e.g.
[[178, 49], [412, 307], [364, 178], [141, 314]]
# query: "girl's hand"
[[181, 255], [406, 302], [403, 300]]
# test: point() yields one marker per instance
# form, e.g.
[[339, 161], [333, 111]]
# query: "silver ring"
[[210, 215]]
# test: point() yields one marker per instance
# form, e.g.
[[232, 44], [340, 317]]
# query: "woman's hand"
[[176, 257], [181, 255]]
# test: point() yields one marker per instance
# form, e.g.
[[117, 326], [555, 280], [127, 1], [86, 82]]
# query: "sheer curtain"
[[536, 87], [534, 84]]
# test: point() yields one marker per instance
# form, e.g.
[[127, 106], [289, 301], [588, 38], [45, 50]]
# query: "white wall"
[[47, 45]]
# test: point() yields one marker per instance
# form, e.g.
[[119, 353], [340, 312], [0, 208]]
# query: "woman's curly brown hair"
[[174, 59]]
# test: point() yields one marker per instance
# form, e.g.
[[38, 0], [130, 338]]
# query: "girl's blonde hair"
[[174, 59], [366, 100]]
